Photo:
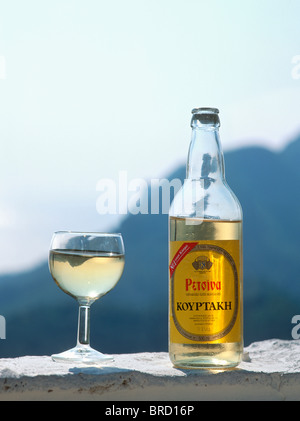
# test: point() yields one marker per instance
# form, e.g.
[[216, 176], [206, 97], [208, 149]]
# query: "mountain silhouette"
[[133, 317]]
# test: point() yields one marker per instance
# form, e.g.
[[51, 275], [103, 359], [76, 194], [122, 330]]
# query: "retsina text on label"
[[206, 305], [202, 286]]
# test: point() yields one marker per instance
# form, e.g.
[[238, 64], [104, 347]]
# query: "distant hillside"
[[134, 316]]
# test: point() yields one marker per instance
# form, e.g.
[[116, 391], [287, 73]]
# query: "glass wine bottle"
[[205, 257]]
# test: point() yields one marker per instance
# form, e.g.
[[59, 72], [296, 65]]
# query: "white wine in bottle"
[[205, 257]]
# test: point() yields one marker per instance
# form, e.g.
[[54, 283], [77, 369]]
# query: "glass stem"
[[83, 335]]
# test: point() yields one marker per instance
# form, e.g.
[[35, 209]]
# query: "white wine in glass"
[[85, 266]]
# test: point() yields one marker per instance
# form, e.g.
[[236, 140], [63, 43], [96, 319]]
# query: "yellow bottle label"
[[205, 292]]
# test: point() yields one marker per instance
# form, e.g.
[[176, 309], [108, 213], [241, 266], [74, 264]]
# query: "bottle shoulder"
[[206, 199]]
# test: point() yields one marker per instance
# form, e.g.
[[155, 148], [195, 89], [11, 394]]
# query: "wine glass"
[[85, 266]]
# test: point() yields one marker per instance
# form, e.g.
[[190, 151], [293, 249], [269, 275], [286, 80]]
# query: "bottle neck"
[[205, 158]]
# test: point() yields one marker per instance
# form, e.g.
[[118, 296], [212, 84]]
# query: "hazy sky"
[[90, 88]]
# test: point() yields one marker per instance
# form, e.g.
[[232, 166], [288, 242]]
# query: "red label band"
[[181, 253]]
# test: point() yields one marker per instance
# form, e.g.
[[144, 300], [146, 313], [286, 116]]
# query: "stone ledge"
[[270, 371]]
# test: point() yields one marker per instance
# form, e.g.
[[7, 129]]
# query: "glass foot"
[[84, 355]]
